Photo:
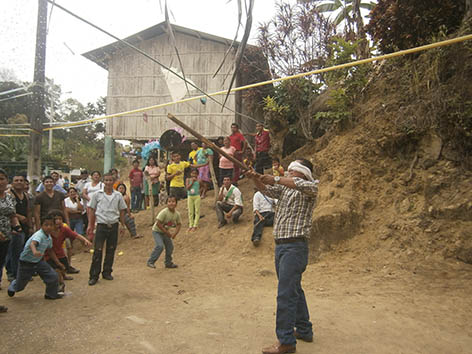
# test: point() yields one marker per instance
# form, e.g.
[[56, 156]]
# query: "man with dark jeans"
[[136, 178], [240, 144], [296, 196], [263, 159], [23, 214], [263, 207], [107, 207], [230, 203]]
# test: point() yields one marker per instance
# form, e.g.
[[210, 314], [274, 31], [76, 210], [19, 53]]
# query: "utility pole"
[[37, 112]]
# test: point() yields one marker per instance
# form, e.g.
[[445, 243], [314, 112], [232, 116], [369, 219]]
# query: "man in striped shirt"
[[296, 196]]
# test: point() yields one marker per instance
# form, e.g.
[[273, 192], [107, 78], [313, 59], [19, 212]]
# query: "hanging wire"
[[17, 96], [13, 90]]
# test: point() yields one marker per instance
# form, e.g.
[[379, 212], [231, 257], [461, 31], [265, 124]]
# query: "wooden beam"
[[208, 142]]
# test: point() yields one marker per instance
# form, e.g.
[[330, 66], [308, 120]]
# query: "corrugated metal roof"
[[102, 55]]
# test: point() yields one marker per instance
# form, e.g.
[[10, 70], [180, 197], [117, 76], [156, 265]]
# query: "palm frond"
[[174, 43], [241, 47], [368, 5], [240, 15], [328, 7]]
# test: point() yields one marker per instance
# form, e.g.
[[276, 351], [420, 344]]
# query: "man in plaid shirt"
[[293, 214]]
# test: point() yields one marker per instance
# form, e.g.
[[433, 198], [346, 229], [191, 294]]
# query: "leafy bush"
[[403, 24]]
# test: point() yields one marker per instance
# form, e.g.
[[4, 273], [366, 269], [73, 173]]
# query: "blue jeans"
[[77, 225], [162, 241], [13, 256], [26, 271], [291, 260], [135, 198]]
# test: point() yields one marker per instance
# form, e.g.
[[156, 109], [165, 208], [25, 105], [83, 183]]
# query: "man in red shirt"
[[136, 182], [263, 159], [239, 143]]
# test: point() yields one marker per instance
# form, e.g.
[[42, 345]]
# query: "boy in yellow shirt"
[[175, 174]]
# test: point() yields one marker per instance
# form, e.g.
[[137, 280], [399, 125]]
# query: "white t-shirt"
[[71, 205], [91, 190], [262, 203]]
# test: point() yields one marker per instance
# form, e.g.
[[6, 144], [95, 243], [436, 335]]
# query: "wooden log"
[[213, 177], [208, 142]]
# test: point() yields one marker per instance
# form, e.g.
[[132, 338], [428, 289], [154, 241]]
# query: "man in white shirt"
[[263, 208], [229, 204], [106, 208]]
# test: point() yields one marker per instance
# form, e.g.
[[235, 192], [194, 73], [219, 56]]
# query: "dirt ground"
[[222, 299]]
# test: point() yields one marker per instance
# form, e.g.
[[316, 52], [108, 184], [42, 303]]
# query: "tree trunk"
[[363, 51]]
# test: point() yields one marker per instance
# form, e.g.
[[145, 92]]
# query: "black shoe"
[[256, 242], [107, 276], [72, 270], [307, 338], [92, 281], [221, 224], [172, 265], [59, 296], [11, 293]]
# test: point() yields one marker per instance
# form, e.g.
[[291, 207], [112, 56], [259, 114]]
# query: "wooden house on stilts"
[[135, 81]]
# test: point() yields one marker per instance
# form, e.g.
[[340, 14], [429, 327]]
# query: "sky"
[[68, 38]]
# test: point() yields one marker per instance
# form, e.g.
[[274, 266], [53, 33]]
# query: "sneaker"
[[59, 296], [256, 242], [221, 224], [66, 277], [72, 270], [92, 281], [107, 276], [172, 265], [151, 265], [11, 293]]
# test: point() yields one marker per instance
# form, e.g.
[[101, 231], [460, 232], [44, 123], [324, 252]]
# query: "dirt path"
[[221, 299]]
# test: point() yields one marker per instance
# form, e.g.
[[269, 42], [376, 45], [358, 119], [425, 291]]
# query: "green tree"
[[403, 24], [349, 12]]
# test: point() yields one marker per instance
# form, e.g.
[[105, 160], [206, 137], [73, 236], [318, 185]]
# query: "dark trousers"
[[4, 245], [14, 250], [263, 160], [237, 169], [291, 260], [135, 198], [110, 236], [178, 192], [26, 271], [222, 208], [225, 172], [259, 224]]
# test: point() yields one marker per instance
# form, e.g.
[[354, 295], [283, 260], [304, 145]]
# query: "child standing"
[[193, 200], [168, 218], [31, 261]]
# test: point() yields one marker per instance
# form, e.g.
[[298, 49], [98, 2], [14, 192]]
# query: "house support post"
[[109, 159]]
